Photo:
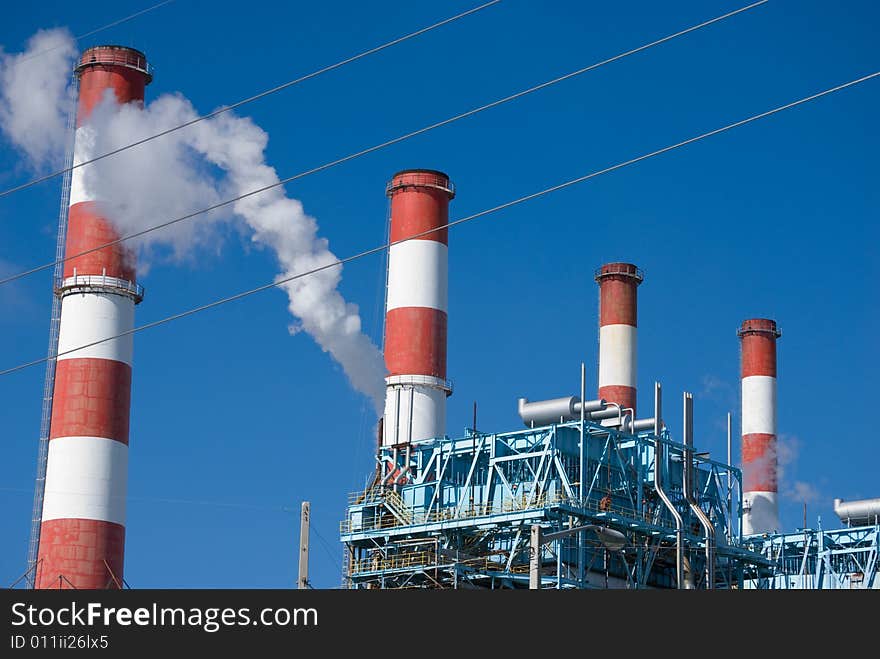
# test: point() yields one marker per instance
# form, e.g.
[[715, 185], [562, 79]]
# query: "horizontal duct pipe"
[[627, 425], [858, 513], [611, 412], [557, 410]]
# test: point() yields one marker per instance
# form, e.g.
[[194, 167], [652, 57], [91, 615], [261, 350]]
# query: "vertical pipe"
[[758, 338], [303, 580], [82, 537], [535, 557], [474, 451], [659, 459], [605, 565], [416, 304], [582, 537], [689, 486], [618, 313], [559, 545], [729, 477]]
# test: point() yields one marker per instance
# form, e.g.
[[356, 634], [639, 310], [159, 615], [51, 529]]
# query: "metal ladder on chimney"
[[54, 324]]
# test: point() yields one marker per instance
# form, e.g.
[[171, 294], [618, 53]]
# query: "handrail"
[[425, 380], [74, 284], [506, 505], [420, 180], [115, 56]]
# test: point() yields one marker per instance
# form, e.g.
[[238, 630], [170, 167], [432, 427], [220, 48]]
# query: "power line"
[[101, 29], [469, 218], [192, 502], [334, 559], [250, 99], [377, 147], [123, 20]]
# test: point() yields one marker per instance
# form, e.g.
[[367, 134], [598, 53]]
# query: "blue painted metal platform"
[[456, 513]]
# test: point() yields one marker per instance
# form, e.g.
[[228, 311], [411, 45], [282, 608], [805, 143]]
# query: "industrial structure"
[[588, 495], [834, 559], [585, 495], [415, 318], [758, 358], [618, 320], [81, 537]]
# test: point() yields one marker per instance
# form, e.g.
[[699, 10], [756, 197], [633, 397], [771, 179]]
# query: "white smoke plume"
[[788, 449], [198, 166], [783, 460], [159, 181], [35, 96], [803, 491]]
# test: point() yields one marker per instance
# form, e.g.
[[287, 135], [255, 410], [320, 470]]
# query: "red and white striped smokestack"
[[416, 307], [758, 354], [82, 535], [618, 311]]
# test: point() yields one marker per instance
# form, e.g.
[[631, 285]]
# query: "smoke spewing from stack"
[[82, 536], [175, 179], [759, 460], [416, 307], [183, 172]]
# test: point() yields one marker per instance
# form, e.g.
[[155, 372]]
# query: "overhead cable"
[[250, 99], [377, 147], [540, 193]]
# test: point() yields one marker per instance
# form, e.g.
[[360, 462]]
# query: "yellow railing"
[[507, 505], [365, 496], [422, 559], [394, 562]]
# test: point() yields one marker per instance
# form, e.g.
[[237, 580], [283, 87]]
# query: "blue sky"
[[235, 421]]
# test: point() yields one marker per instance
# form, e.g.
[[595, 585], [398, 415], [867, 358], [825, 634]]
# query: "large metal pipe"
[[688, 481], [556, 410], [858, 513], [581, 469], [626, 424], [658, 485], [729, 477], [610, 412], [642, 424]]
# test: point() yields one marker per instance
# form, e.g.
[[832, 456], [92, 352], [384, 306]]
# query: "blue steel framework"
[[456, 513], [818, 559]]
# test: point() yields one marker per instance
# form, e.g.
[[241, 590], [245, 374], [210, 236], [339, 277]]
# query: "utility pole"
[[303, 581]]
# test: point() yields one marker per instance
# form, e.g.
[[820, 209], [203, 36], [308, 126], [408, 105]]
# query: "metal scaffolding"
[[818, 559], [458, 513]]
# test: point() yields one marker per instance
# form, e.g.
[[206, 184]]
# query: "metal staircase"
[[398, 507]]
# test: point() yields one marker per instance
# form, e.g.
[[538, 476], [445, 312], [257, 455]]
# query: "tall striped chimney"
[[758, 355], [416, 307], [82, 534], [618, 311]]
